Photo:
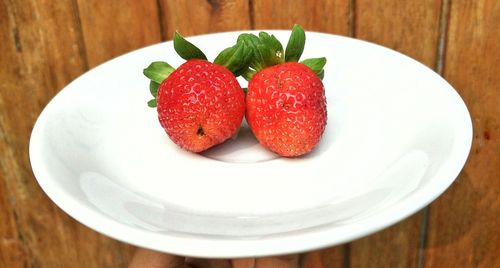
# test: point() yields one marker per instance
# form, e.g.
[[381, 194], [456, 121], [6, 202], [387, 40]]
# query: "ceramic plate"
[[397, 137]]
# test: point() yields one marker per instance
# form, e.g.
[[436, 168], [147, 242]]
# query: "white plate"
[[397, 136]]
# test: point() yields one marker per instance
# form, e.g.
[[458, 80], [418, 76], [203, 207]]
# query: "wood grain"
[[38, 59], [114, 27], [314, 15], [195, 17], [396, 246], [410, 27], [12, 249], [333, 257], [464, 224], [36, 62]]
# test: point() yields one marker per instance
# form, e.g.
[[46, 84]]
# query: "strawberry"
[[200, 104], [285, 103]]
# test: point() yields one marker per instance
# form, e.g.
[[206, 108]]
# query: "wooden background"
[[45, 44]]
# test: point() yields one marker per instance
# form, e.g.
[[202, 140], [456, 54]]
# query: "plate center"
[[242, 148]]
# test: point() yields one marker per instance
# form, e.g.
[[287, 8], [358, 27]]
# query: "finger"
[[208, 263], [144, 258], [291, 261], [244, 263]]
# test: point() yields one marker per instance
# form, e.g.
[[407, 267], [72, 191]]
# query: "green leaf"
[[158, 71], [272, 49], [248, 73], [235, 58], [153, 88], [295, 45], [224, 55], [152, 103], [321, 74], [187, 50], [267, 50], [240, 71], [316, 64], [252, 42]]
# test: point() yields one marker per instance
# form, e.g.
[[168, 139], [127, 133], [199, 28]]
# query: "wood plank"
[[332, 257], [38, 59], [374, 250], [396, 246], [30, 59], [12, 249], [194, 17], [115, 27], [314, 15], [388, 23], [410, 27], [464, 224]]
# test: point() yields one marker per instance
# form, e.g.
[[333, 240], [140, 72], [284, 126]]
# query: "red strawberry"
[[286, 105], [286, 108], [200, 104]]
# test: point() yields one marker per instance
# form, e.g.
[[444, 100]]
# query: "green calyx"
[[235, 58], [186, 49], [316, 64], [157, 72], [295, 45], [250, 54], [268, 51]]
